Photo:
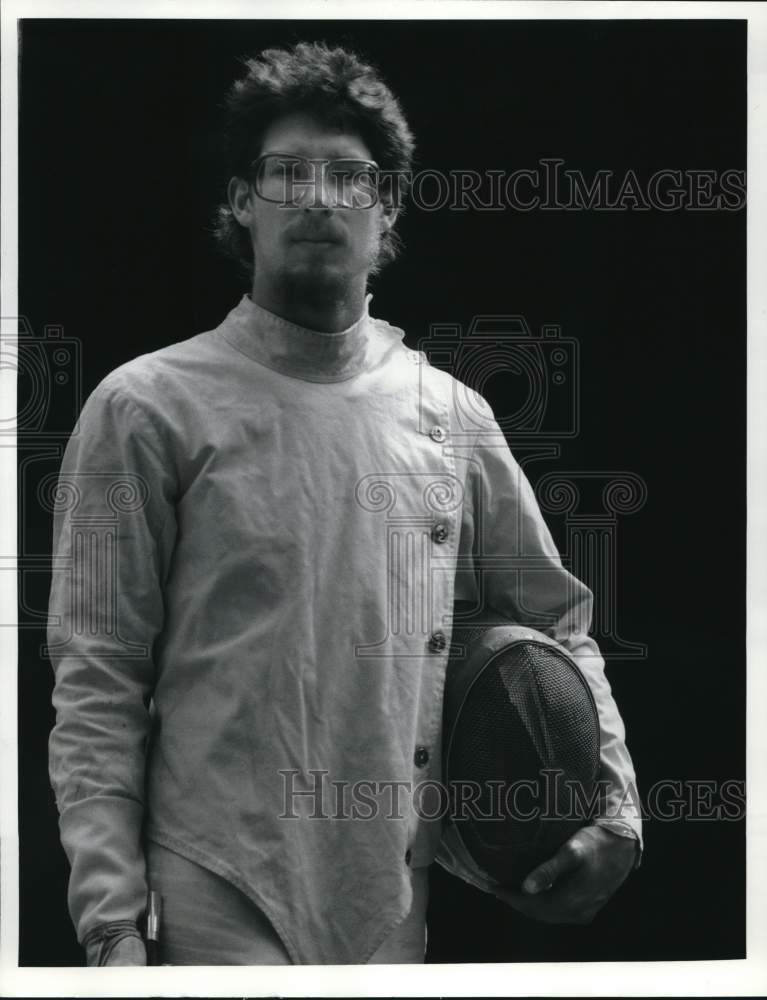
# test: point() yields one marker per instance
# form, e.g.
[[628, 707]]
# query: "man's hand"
[[128, 951], [575, 884]]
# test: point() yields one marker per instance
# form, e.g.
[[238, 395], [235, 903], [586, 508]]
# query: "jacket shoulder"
[[157, 376], [469, 410]]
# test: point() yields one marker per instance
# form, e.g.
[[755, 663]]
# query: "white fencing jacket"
[[258, 539]]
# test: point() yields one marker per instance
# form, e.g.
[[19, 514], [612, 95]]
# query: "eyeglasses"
[[294, 181]]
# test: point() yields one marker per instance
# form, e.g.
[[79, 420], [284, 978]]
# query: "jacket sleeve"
[[113, 531], [519, 573]]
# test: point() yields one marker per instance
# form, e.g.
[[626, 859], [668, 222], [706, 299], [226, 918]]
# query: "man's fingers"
[[536, 909], [555, 907], [522, 903], [127, 951], [567, 859], [595, 863]]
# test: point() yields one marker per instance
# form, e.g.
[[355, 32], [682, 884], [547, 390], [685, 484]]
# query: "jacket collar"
[[297, 350]]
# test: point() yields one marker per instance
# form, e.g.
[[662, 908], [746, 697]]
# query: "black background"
[[119, 176]]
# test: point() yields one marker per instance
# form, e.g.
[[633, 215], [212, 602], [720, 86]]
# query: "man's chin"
[[317, 275]]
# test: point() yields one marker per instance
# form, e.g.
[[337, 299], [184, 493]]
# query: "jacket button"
[[437, 433], [440, 532], [437, 642], [421, 757], [408, 856]]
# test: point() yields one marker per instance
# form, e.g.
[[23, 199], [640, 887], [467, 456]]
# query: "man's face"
[[322, 245]]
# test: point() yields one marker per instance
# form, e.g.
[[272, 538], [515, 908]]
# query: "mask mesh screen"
[[529, 711]]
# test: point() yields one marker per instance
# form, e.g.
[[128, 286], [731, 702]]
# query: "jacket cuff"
[[101, 941], [101, 836], [454, 858], [624, 828]]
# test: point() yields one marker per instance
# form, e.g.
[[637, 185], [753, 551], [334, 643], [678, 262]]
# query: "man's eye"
[[345, 168], [299, 170], [351, 172], [284, 167]]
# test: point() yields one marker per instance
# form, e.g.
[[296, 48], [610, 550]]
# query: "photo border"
[[682, 978]]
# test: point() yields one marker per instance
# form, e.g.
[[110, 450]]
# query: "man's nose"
[[319, 192]]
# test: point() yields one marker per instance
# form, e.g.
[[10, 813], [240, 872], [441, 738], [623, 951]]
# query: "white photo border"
[[688, 978]]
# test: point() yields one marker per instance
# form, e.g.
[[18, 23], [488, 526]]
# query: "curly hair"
[[335, 86]]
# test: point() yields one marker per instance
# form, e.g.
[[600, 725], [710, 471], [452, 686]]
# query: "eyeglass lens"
[[296, 180]]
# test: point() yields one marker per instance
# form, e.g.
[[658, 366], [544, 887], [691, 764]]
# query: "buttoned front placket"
[[443, 537]]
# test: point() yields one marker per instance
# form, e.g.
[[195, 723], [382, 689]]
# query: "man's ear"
[[239, 193]]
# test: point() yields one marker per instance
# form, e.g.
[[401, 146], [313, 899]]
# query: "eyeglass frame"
[[254, 165]]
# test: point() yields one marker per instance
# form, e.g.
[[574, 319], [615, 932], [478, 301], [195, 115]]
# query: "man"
[[262, 531]]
